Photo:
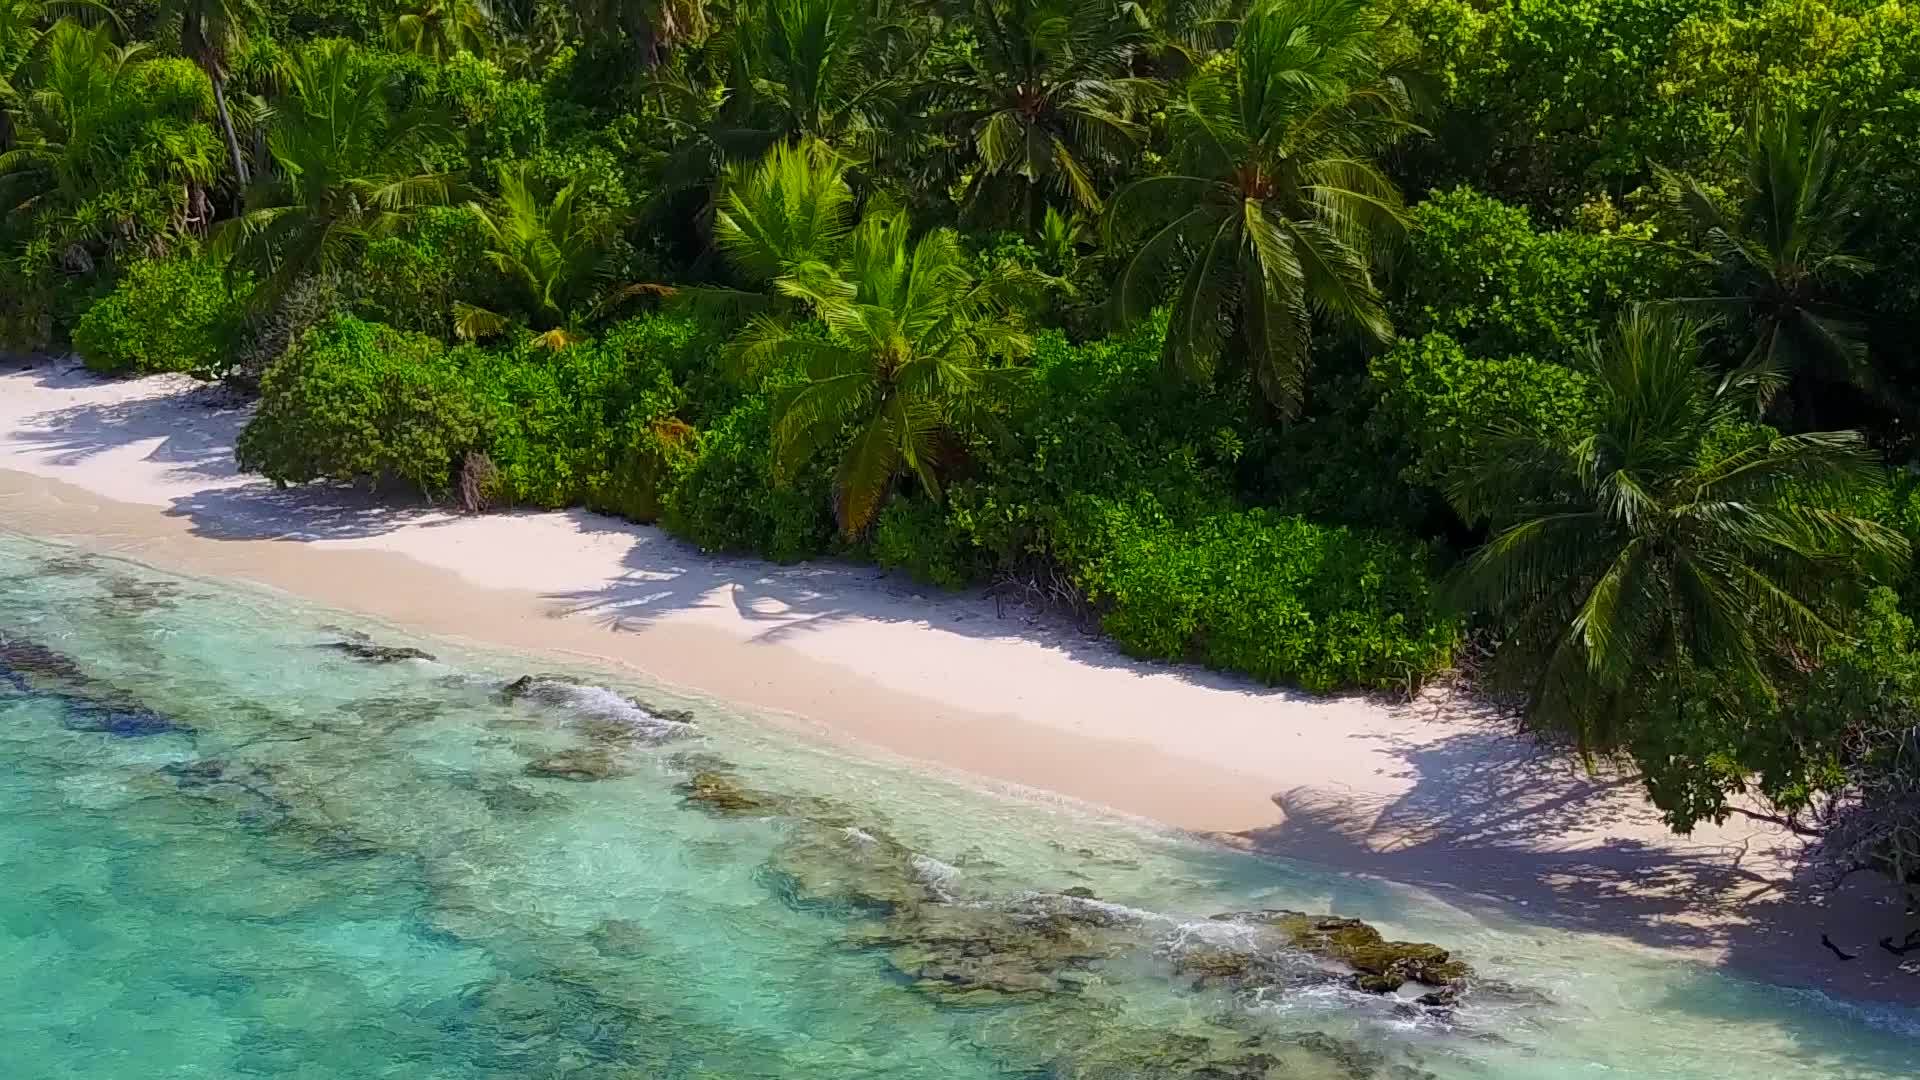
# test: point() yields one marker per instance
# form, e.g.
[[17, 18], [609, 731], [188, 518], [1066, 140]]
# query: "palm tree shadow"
[[191, 428]]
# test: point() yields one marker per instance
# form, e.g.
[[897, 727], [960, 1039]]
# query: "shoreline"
[[1434, 793]]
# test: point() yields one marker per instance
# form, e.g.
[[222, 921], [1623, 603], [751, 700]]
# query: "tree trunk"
[[226, 126]]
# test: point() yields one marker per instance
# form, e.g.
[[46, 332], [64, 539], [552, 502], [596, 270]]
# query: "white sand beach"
[[1436, 792]]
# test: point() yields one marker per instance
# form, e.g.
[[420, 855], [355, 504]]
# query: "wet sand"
[[1436, 792]]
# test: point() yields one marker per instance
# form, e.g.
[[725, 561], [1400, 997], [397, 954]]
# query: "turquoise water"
[[231, 851]]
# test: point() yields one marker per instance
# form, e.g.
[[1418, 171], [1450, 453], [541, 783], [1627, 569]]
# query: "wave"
[[586, 701], [1893, 1019]]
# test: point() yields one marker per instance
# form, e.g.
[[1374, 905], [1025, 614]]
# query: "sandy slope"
[[1432, 792]]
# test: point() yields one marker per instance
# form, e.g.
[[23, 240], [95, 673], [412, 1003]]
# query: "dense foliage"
[[181, 314], [1303, 338]]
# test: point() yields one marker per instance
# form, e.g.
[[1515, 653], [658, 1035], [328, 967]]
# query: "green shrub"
[[1333, 465], [170, 315], [1478, 270], [637, 485], [589, 424], [725, 497], [1100, 418], [1441, 400], [357, 19], [27, 309], [1279, 598], [916, 535], [359, 402], [409, 281], [1552, 101]]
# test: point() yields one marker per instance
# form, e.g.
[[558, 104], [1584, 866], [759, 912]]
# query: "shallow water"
[[231, 851]]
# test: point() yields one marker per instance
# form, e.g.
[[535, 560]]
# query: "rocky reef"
[[90, 705], [576, 765], [137, 596], [977, 954], [718, 792], [611, 724], [569, 691], [373, 653], [606, 718], [1058, 954], [1378, 965], [1221, 1052]]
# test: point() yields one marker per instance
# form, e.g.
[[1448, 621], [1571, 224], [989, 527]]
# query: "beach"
[[1438, 791]]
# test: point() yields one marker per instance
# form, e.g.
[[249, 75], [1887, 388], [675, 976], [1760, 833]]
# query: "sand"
[[1437, 792]]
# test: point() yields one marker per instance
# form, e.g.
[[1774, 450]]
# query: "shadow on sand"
[[190, 428], [1494, 821]]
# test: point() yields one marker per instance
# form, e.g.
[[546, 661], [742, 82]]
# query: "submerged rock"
[[711, 786], [976, 954], [23, 657], [821, 863], [30, 667], [122, 719], [576, 765], [377, 654], [1227, 1052], [386, 715], [507, 797], [247, 791], [619, 938], [135, 596], [719, 793], [70, 565]]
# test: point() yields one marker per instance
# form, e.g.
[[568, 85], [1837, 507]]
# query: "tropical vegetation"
[[1566, 346]]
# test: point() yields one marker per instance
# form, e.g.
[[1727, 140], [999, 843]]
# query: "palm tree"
[[658, 26], [793, 70], [1661, 539], [906, 346], [64, 124], [1046, 100], [801, 71], [23, 27], [1276, 204], [1783, 246], [346, 166], [209, 31], [440, 29], [554, 253], [1189, 31]]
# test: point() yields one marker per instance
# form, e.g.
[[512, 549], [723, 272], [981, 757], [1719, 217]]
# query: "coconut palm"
[[1783, 245], [1189, 31], [793, 70], [1046, 101], [438, 29], [1665, 537], [802, 71], [553, 252], [209, 31], [656, 26], [1275, 207], [346, 166], [64, 125], [24, 22], [907, 342]]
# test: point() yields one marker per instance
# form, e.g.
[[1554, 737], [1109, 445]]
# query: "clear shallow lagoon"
[[227, 850]]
